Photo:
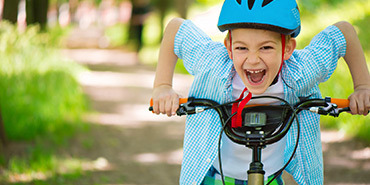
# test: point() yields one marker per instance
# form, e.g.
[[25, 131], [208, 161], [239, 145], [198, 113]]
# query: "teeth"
[[259, 71]]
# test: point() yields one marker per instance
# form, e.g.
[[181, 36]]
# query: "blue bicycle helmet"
[[281, 16]]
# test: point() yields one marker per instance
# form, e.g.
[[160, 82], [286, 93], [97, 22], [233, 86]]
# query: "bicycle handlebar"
[[341, 103], [256, 134]]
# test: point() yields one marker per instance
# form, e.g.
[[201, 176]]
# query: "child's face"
[[257, 56]]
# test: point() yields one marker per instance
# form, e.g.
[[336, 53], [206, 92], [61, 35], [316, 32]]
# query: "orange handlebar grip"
[[181, 101], [342, 103]]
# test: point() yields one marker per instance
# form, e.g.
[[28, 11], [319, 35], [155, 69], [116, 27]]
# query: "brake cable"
[[219, 145]]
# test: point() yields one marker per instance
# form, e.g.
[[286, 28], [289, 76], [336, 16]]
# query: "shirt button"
[[194, 183], [208, 160]]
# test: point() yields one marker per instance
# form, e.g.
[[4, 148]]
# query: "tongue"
[[256, 77]]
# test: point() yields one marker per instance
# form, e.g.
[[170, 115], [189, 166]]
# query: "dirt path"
[[136, 147]]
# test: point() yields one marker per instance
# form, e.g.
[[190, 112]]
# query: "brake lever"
[[331, 109], [182, 110], [188, 108]]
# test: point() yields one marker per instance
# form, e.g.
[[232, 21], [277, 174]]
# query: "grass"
[[41, 101], [43, 167], [39, 92]]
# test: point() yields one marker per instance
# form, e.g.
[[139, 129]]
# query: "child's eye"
[[267, 47], [240, 48]]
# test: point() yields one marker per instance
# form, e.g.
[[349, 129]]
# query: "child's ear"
[[289, 48], [228, 47]]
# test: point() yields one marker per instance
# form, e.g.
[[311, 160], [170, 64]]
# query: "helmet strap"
[[231, 47], [283, 51], [282, 59], [237, 107]]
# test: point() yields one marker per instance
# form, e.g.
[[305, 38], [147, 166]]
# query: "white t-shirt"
[[235, 157]]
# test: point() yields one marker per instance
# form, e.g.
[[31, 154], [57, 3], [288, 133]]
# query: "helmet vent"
[[250, 4], [266, 2], [239, 1]]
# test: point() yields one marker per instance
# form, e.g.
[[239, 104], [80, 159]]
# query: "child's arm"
[[165, 99], [355, 59]]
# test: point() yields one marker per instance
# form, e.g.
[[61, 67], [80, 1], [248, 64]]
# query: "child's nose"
[[253, 58]]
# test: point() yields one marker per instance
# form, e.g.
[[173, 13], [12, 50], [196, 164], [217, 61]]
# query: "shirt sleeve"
[[191, 44], [325, 49]]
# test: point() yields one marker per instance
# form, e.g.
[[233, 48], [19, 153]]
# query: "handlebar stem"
[[256, 172]]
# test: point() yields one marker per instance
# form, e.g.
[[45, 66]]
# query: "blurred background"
[[76, 78]]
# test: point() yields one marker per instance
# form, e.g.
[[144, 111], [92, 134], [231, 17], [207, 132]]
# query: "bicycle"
[[262, 125]]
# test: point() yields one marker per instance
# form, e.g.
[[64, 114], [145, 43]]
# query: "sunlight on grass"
[[53, 167]]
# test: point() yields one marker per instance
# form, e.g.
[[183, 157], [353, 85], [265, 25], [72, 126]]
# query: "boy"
[[259, 56]]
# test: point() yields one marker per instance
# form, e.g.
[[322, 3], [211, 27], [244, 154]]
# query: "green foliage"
[[363, 28], [39, 159], [180, 68], [315, 21], [117, 34], [340, 84], [311, 5], [208, 2], [40, 163], [39, 94]]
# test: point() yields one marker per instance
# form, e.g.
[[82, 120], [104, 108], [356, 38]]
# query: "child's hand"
[[360, 100], [165, 100]]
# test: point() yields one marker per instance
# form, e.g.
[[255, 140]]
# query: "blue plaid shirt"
[[213, 70]]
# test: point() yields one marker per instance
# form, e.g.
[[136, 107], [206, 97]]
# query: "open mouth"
[[256, 77]]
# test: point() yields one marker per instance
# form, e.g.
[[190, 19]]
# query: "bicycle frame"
[[255, 137]]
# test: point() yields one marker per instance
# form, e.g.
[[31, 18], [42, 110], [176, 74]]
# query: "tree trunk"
[[73, 4], [10, 10], [182, 7], [139, 13], [3, 140], [36, 12], [163, 7], [58, 6]]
